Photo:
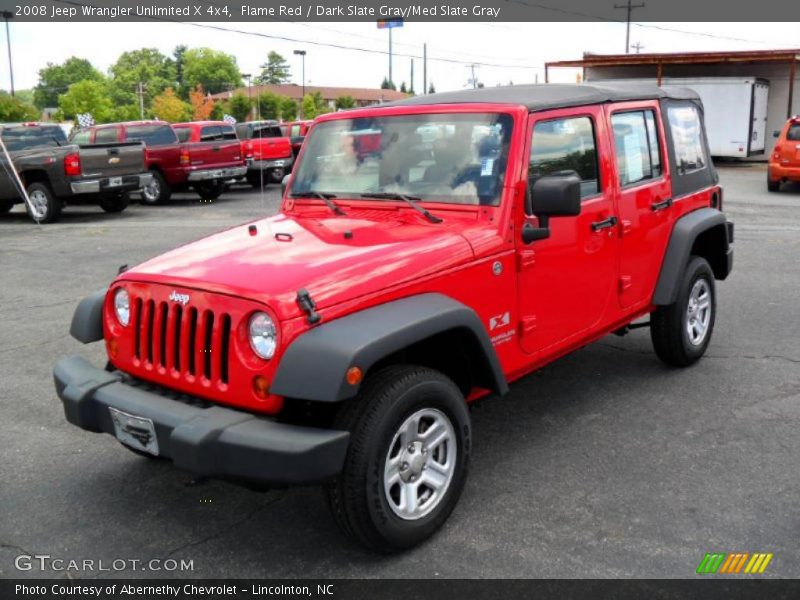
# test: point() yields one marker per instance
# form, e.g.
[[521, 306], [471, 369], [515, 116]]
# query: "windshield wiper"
[[410, 200], [325, 197]]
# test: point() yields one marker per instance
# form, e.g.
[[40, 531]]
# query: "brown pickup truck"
[[56, 172]]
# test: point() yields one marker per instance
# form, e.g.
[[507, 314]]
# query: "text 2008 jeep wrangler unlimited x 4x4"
[[342, 340]]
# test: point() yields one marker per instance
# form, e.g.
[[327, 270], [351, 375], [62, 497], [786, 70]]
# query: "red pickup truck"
[[296, 131], [267, 150], [204, 159]]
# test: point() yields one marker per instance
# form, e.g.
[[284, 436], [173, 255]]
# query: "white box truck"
[[735, 111]]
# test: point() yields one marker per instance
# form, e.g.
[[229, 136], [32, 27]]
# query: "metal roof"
[[746, 56], [547, 96]]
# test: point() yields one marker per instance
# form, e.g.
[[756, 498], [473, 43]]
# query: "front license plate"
[[133, 431], [115, 182]]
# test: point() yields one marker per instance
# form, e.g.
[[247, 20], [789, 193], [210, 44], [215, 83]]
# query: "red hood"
[[387, 247]]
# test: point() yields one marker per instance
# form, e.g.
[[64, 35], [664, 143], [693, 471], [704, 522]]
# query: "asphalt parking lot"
[[604, 464]]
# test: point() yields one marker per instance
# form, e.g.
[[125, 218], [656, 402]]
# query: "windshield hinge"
[[308, 305]]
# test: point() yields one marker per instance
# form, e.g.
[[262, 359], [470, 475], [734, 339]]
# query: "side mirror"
[[776, 134], [551, 196], [287, 179]]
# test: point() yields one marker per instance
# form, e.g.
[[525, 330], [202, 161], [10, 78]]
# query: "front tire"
[[682, 331], [157, 191], [410, 440], [254, 178], [44, 206]]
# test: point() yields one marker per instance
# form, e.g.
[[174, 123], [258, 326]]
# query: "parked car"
[[56, 172], [175, 165], [269, 151], [343, 340], [784, 163], [296, 131]]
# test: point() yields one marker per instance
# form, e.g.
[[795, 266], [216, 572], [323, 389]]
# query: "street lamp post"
[[249, 95], [7, 14], [302, 54]]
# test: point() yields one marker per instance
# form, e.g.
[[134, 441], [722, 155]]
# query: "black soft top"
[[554, 95]]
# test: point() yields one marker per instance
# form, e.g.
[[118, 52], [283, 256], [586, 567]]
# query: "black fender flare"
[[87, 320], [314, 365], [684, 234]]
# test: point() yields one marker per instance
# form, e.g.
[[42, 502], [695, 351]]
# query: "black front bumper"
[[208, 440]]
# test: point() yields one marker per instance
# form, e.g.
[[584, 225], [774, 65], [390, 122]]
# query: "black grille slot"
[[151, 313], [177, 337], [192, 340], [224, 348], [209, 340], [137, 332], [163, 309]]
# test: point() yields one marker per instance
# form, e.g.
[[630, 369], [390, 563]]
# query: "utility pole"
[[7, 14], [424, 68], [629, 7], [141, 100], [411, 85], [473, 80], [249, 76], [390, 55], [302, 55], [637, 46]]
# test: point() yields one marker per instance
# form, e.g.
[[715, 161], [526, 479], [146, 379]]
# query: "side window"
[[210, 134], [564, 145], [227, 132], [81, 137], [687, 137], [793, 134], [105, 135], [295, 131], [636, 142]]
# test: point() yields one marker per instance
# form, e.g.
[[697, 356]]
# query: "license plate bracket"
[[115, 182], [135, 432]]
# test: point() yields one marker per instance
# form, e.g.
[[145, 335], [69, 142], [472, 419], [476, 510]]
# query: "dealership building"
[[772, 74]]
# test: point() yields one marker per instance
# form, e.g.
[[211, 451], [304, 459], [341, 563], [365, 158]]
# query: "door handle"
[[657, 206], [604, 224], [215, 148]]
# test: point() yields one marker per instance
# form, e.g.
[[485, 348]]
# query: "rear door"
[[758, 134], [567, 281], [643, 197]]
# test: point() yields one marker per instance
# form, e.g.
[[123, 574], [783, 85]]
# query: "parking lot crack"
[[15, 547]]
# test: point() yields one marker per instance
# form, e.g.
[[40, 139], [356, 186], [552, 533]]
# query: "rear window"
[[267, 132], [687, 138], [105, 135], [228, 133], [183, 133], [81, 137], [24, 138], [152, 135], [793, 135]]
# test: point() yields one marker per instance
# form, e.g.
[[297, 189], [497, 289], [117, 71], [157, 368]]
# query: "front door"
[[567, 280]]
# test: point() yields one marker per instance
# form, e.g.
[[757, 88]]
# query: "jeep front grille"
[[182, 340]]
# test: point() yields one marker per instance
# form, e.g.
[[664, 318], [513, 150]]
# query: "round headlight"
[[263, 335], [122, 306]]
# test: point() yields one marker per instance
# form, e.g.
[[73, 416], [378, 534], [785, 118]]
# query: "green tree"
[[16, 109], [178, 58], [314, 105], [343, 102], [217, 112], [387, 85], [275, 70], [288, 109], [403, 88], [86, 96], [216, 71], [431, 89], [155, 71], [269, 105], [169, 107], [239, 107], [56, 79]]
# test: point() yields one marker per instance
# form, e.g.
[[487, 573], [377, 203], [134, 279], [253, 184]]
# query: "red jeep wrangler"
[[342, 340]]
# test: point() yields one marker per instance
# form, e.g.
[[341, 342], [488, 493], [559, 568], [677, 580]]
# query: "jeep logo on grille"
[[182, 298]]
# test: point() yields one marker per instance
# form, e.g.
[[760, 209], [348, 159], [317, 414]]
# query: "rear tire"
[[682, 331], [115, 204], [157, 192], [44, 207], [254, 179], [773, 185], [410, 439], [5, 206]]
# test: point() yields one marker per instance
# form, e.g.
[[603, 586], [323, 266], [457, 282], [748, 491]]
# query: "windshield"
[[23, 138], [457, 158]]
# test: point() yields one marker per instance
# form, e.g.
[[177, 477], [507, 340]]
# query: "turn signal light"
[[185, 158], [354, 375], [261, 386], [113, 348], [72, 164]]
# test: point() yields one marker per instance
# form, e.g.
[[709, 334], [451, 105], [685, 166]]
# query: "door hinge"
[[625, 282], [528, 324], [526, 259]]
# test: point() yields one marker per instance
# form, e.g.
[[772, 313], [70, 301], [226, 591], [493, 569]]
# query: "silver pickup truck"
[[55, 172]]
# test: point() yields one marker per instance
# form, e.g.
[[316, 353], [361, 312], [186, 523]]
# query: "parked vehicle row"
[[55, 172], [103, 163]]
